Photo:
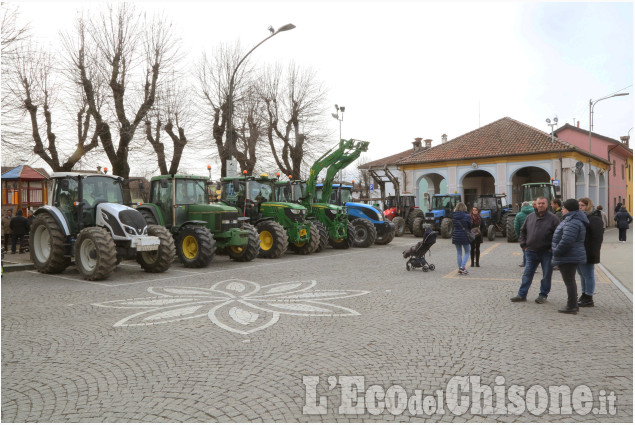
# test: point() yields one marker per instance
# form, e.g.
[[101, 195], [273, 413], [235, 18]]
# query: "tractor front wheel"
[[46, 245], [346, 242], [491, 232], [273, 239], [324, 235], [447, 228], [149, 217], [511, 231], [247, 252], [195, 246], [385, 239], [412, 216], [417, 227], [160, 260], [400, 226], [365, 233], [308, 247], [95, 253]]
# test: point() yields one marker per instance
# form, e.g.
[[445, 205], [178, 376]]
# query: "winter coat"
[[520, 218], [605, 219], [618, 207], [623, 219], [558, 213], [458, 235], [568, 240], [20, 225], [6, 224], [537, 231], [594, 237]]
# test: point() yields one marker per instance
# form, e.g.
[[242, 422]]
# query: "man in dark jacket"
[[535, 238], [592, 246], [623, 219], [519, 220], [19, 227], [556, 205]]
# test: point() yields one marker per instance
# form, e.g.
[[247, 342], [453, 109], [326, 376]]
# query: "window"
[[613, 168], [622, 171]]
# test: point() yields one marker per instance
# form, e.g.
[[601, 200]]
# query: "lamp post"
[[555, 123], [591, 105], [230, 132], [337, 116]]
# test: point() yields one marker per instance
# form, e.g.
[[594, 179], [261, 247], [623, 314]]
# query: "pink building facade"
[[606, 187]]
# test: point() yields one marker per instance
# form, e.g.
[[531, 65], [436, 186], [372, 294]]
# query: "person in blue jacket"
[[568, 250], [462, 223]]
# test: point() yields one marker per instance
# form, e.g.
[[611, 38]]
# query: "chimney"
[[416, 145], [578, 124], [428, 143], [625, 140], [444, 138]]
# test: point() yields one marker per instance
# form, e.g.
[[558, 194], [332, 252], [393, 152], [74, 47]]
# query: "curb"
[[7, 268], [617, 283]]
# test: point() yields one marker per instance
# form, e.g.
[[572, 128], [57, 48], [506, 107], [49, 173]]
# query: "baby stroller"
[[416, 254]]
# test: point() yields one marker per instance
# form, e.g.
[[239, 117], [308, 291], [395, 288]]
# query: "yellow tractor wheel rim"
[[300, 244], [302, 232], [338, 240], [266, 240], [237, 249], [190, 247]]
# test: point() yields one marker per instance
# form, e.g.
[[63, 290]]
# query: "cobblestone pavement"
[[233, 342]]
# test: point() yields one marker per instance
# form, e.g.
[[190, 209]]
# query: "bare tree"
[[294, 103], [11, 33], [118, 59]]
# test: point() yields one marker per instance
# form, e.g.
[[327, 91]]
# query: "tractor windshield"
[[488, 203], [531, 192], [101, 189], [260, 191], [191, 192], [442, 203], [346, 195]]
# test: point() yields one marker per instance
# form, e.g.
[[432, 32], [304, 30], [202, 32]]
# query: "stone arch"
[[475, 183], [427, 185], [602, 199], [593, 188], [522, 175]]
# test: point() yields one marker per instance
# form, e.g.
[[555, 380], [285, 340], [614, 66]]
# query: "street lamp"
[[337, 116], [230, 133], [555, 123], [591, 105]]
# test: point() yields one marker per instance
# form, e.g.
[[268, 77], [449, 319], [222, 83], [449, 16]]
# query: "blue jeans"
[[587, 278], [462, 261], [532, 259]]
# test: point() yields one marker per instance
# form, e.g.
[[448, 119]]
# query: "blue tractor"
[[439, 218], [370, 223], [494, 212]]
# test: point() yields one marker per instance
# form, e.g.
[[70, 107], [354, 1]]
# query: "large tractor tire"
[[365, 233], [46, 245], [148, 216], [160, 260], [308, 247], [417, 227], [346, 242], [491, 232], [509, 227], [324, 235], [447, 228], [412, 216], [195, 246], [385, 239], [400, 226], [273, 239], [247, 252], [95, 253]]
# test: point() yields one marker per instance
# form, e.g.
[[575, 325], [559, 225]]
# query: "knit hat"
[[571, 205]]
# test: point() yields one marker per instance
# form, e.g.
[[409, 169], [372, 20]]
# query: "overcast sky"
[[421, 69]]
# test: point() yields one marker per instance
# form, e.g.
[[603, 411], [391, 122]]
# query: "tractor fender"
[[57, 216], [260, 220], [153, 210], [356, 210], [196, 223]]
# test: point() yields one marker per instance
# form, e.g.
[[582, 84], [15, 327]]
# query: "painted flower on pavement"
[[235, 305]]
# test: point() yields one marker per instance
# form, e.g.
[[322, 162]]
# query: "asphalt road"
[[283, 340]]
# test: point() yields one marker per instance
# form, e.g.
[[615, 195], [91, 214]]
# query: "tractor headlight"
[[129, 230], [299, 212], [226, 221], [334, 212]]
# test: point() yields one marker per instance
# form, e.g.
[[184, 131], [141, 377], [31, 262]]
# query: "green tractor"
[[180, 203], [530, 191], [280, 225], [86, 219]]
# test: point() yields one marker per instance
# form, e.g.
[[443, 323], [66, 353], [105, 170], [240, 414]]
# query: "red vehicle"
[[402, 211]]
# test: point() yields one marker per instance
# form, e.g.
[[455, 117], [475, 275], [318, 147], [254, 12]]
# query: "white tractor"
[[86, 219]]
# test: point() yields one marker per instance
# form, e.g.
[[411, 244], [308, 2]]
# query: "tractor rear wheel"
[[46, 245], [417, 227], [400, 225], [491, 232], [148, 216], [346, 242], [385, 239], [308, 247], [412, 216], [160, 260], [509, 227], [95, 253], [324, 235], [273, 239], [365, 233], [247, 252], [195, 246], [447, 228]]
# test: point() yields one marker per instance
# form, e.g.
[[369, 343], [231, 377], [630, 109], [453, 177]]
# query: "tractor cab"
[[531, 191], [492, 206]]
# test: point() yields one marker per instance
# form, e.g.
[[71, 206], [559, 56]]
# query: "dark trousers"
[[7, 239], [14, 242], [622, 234], [568, 275], [475, 252]]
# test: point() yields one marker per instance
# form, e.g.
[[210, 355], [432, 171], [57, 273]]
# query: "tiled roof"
[[389, 160], [595, 135], [505, 137]]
